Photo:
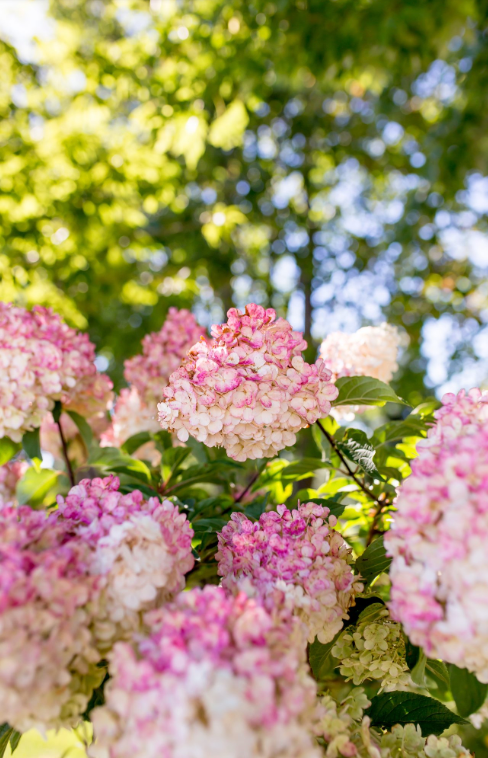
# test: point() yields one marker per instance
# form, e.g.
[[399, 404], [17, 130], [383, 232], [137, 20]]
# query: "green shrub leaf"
[[392, 708], [469, 694], [373, 561], [33, 487], [32, 445], [364, 390], [8, 449]]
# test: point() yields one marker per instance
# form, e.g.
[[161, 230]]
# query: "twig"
[[65, 454], [248, 486], [351, 473]]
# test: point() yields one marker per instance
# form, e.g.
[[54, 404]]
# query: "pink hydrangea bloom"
[[249, 390], [132, 416], [140, 548], [215, 677], [371, 351], [439, 536], [41, 360], [10, 473], [162, 353], [297, 555], [47, 654]]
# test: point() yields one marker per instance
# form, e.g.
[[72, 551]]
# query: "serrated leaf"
[[395, 431], [373, 561], [356, 446], [32, 445], [33, 487], [84, 428], [135, 442], [469, 694], [364, 390], [209, 525], [392, 708], [371, 613], [257, 507], [8, 448]]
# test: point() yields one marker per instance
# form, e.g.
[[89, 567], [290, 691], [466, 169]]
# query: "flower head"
[[41, 360], [162, 353], [439, 535], [250, 390], [140, 549], [47, 599], [297, 555], [216, 676]]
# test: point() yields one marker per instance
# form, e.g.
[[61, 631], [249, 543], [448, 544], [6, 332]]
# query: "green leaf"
[[14, 741], [6, 733], [392, 708], [209, 525], [395, 431], [418, 671], [32, 445], [321, 660], [8, 448], [135, 468], [83, 428], [364, 390], [257, 507], [373, 561], [33, 487], [469, 694], [356, 446], [57, 410], [438, 672], [135, 442]]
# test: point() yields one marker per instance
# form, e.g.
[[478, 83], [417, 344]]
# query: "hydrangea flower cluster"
[[250, 390], [10, 473], [371, 351], [47, 602], [373, 649], [41, 360], [71, 584], [162, 353], [439, 535], [140, 548], [216, 676], [297, 555], [407, 742]]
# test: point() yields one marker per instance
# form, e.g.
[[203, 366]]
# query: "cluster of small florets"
[[140, 549], [250, 390], [47, 602], [373, 649], [439, 536], [41, 360], [162, 353], [216, 676], [71, 584], [10, 473], [371, 351], [296, 555], [407, 742]]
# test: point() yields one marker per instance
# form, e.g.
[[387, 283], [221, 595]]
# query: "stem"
[[351, 473], [69, 468], [248, 487]]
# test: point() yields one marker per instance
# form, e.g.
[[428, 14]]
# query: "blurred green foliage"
[[204, 153]]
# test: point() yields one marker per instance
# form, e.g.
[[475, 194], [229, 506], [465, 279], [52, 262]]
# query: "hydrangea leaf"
[[31, 444], [392, 708], [364, 390], [469, 694], [8, 448], [373, 561], [35, 485]]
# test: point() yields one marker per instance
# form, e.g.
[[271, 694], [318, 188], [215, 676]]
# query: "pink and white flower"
[[216, 676], [292, 557], [439, 536], [250, 390], [41, 360]]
